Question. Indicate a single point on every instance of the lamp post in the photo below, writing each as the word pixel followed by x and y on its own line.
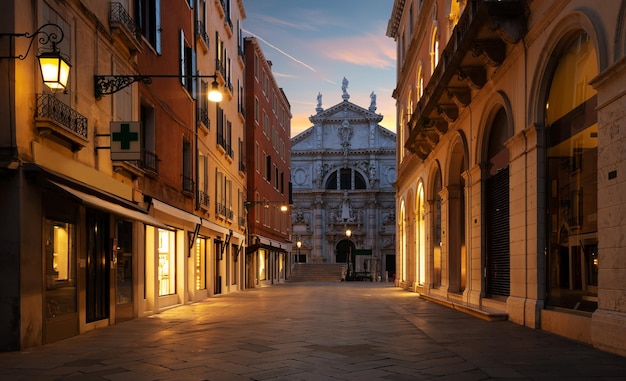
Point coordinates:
pixel 55 68
pixel 299 245
pixel 349 259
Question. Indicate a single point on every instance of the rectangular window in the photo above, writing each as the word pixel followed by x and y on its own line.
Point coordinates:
pixel 256 110
pixel 228 200
pixel 167 262
pixel 200 263
pixel 149 160
pixel 220 198
pixel 187 167
pixel 60 268
pixel 148 17
pixel 268 168
pixel 257 157
pixel 220 126
pixel 242 155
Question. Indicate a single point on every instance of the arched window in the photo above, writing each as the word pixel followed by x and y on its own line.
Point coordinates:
pixel 419 86
pixel 346 179
pixel 434 50
pixel 409 108
pixel 571 187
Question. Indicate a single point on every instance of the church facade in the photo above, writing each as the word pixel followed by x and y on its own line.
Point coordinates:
pixel 343 168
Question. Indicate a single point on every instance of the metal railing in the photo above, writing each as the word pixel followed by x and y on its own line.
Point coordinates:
pixel 48 106
pixel 203 117
pixel 149 161
pixel 201 31
pixel 120 15
pixel 204 199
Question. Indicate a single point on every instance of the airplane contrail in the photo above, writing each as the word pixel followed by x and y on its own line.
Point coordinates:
pixel 281 51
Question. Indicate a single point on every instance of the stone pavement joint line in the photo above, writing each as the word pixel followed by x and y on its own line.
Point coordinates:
pixel 313 332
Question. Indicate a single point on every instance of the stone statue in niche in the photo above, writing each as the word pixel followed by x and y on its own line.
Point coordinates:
pixel 372 175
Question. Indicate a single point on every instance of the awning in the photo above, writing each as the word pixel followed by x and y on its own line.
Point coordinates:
pixel 215 227
pixel 176 212
pixel 111 207
pixel 218 228
pixel 271 244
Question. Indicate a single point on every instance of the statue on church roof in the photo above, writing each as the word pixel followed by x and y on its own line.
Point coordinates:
pixel 373 103
pixel 344 88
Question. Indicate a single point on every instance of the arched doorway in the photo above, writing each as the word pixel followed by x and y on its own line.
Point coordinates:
pixel 344 248
pixel 497 243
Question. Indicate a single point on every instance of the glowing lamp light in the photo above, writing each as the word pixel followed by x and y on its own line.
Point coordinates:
pixel 55 70
pixel 215 95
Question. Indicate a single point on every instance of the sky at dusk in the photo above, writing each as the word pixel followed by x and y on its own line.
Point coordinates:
pixel 313 45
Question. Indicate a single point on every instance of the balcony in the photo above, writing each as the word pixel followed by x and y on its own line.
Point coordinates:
pixel 203 119
pixel 124 28
pixel 485 34
pixel 220 209
pixel 60 122
pixel 202 35
pixel 204 200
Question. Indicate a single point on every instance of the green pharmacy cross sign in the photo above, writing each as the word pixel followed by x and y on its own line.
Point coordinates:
pixel 125 141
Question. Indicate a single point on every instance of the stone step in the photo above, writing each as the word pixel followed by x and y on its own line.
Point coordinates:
pixel 309 272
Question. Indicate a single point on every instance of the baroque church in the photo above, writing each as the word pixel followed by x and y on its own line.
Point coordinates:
pixel 343 171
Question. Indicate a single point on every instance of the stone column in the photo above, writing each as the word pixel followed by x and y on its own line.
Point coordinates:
pixel 372 217
pixel 317 253
pixel 454 237
pixel 608 329
pixel 474 207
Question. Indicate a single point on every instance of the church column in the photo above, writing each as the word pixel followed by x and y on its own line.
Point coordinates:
pixel 318 232
pixel 372 235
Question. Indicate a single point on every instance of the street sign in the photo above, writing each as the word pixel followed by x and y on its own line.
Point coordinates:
pixel 125 141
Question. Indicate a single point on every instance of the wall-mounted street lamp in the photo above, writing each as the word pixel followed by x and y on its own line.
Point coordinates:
pixel 110 84
pixel 266 204
pixel 55 69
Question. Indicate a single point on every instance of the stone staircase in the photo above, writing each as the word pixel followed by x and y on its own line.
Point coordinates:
pixel 313 272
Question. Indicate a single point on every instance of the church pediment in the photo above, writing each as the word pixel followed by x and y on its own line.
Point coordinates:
pixel 345 110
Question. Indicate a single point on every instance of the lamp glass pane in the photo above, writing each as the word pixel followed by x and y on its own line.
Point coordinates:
pixel 215 95
pixel 54 71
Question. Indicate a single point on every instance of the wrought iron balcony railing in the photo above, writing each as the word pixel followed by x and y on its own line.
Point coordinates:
pixel 204 199
pixel 49 107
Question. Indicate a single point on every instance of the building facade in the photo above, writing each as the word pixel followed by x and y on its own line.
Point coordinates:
pixel 268 144
pixel 509 118
pixel 122 194
pixel 343 168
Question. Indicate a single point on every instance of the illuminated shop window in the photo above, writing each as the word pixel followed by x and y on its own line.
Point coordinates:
pixel 167 262
pixel 200 263
pixel 60 268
